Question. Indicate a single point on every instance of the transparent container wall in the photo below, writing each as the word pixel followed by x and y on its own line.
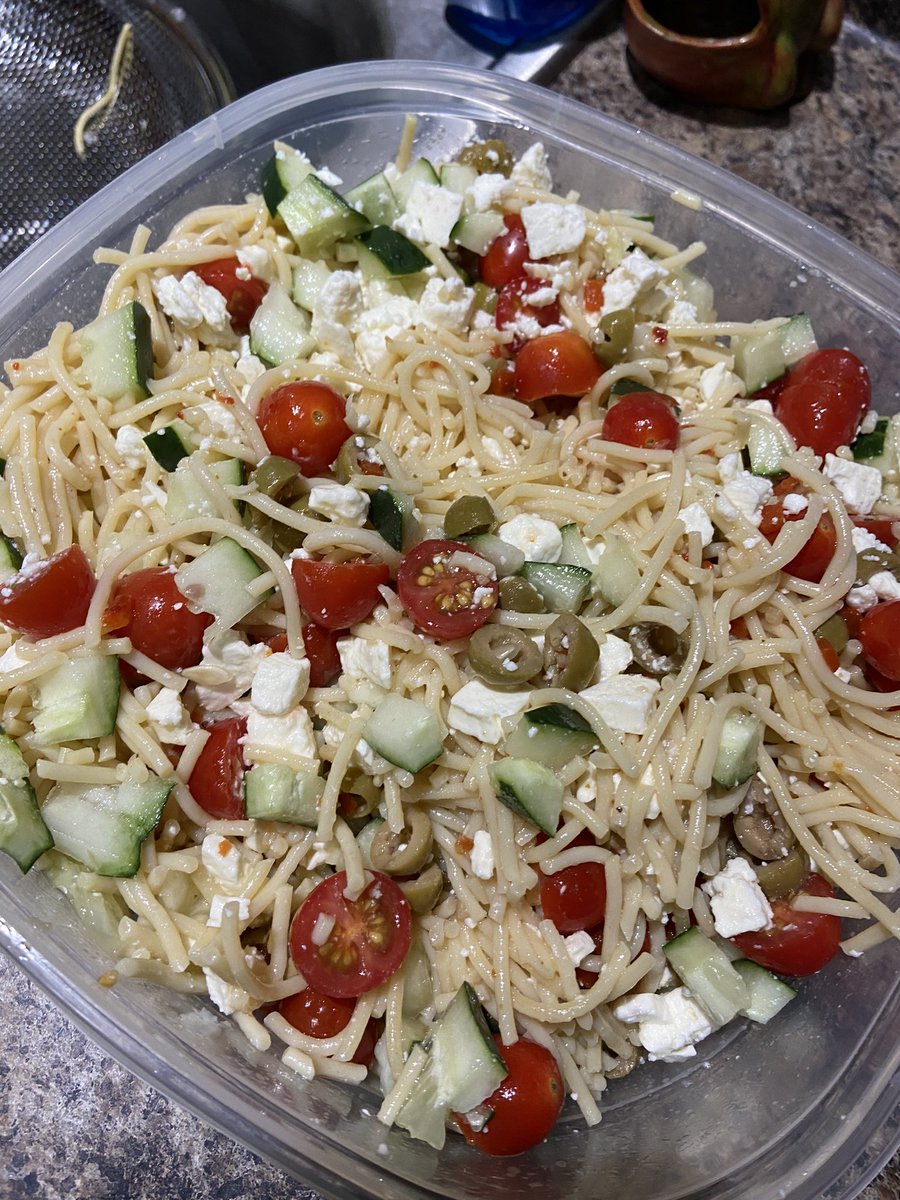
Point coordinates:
pixel 794 1109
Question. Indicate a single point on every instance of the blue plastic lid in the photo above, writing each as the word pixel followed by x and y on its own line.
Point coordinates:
pixel 494 25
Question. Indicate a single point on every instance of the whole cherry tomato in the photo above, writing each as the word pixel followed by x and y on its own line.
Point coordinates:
pixel 156 617
pixel 799 943
pixel 555 364
pixel 505 258
pixel 305 422
pixel 643 419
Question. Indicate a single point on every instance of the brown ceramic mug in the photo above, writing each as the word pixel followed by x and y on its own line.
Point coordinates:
pixel 738 52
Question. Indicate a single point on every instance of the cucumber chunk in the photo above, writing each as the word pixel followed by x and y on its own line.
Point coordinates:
pixel 552 735
pixel 768 994
pixel 506 558
pixel 529 789
pixel 476 231
pixel 283 172
pixel 317 217
pixel 217 580
pixel 79 700
pixel 104 827
pixel 760 358
pixel 186 496
pixel 457 176
pixel 421 171
pixel 738 747
pixel 117 353
pixel 705 969
pixel 279 330
pixel 574 552
pixel 404 732
pixel 273 792
pixel 562 587
pixel 768 445
pixel 462 1066
pixel 170 444
pixel 616 573
pixel 10 558
pixel 24 835
pixel 391 514
pixel 375 199
pixel 307 280
pixel 384 253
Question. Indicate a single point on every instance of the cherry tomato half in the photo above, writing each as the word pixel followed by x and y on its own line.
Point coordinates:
pixel 50 596
pixel 321 1016
pixel 322 652
pixel 587 979
pixel 575 897
pixel 367 941
pixel 643 419
pixel 305 422
pixel 556 364
pixel 155 616
pixel 812 560
pixel 826 396
pixel 217 780
pixel 242 296
pixel 525 1106
pixel 879 634
pixel 337 595
pixel 446 600
pixel 799 943
pixel 505 258
pixel 513 304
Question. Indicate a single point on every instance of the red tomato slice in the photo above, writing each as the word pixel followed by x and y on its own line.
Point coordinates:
pixel 879 634
pixel 826 396
pixel 338 595
pixel 322 652
pixel 880 527
pixel 368 939
pixel 829 654
pixel 321 1016
pixel 446 600
pixel 643 419
pixel 217 780
pixel 799 943
pixel 157 618
pixel 593 294
pixel 505 258
pixel 812 561
pixel 242 296
pixel 305 422
pixel 556 364
pixel 525 1106
pixel 575 897
pixel 512 303
pixel 50 596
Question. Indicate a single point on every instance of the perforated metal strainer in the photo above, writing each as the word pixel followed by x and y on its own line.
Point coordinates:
pixel 55 60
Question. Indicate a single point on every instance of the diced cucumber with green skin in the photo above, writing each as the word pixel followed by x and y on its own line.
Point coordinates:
pixel 707 972
pixel 281 174
pixel 375 199
pixel 552 735
pixel 797 339
pixel 768 994
pixel 104 827
pixel 529 789
pixel 170 444
pixel 871 445
pixel 563 588
pixel 476 231
pixel 738 747
pixel 100 912
pixel 762 357
pixel 616 573
pixel 625 387
pixel 767 445
pixel 457 177
pixel 273 792
pixel 279 330
pixel 317 217
pixel 308 278
pixel 574 552
pixel 78 700
pixel 216 582
pixel 384 253
pixel 10 558
pixel 391 515
pixel 186 497
pixel 404 732
pixel 421 171
pixel 462 1068
pixel 24 835
pixel 117 353
pixel 506 558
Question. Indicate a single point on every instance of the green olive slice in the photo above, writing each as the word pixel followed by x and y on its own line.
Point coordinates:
pixel 518 595
pixel 658 650
pixel 424 891
pixel 503 656
pixel 405 852
pixel 760 827
pixel 490 157
pixel 357 456
pixel 784 876
pixel 276 476
pixel 870 562
pixel 359 795
pixel 469 515
pixel 571 653
pixel 616 333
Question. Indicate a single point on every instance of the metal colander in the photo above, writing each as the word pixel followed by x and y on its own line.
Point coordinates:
pixel 55 58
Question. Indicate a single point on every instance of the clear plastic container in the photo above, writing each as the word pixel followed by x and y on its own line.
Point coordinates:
pixel 803 1108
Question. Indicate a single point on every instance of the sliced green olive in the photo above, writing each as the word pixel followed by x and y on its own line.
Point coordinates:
pixel 571 653
pixel 491 157
pixel 615 336
pixel 485 298
pixel 276 476
pixel 405 852
pixel 870 562
pixel 783 876
pixel 658 650
pixel 359 796
pixel 357 456
pixel 760 827
pixel 469 515
pixel 518 595
pixel 835 632
pixel 424 891
pixel 503 656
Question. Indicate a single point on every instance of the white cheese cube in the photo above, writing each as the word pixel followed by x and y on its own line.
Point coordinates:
pixel 482 855
pixel 718 382
pixel 538 539
pixel 579 945
pixel 339 502
pixel 225 996
pixel 378 325
pixel 131 447
pixel 221 857
pixel 291 732
pixel 256 259
pixel 217 907
pixel 170 719
pixel 553 228
pixel 885 585
pixel 280 683
pixel 480 711
pixel 696 520
pixel 532 169
pixel 486 191
pixel 738 903
pixel 794 504
pixel 190 302
pixel 430 214
pixel 858 485
pixel 337 306
pixel 363 660
pixel 624 701
pixel 864 540
pixel 745 494
pixel 669 1024
pixel 226 669
pixel 635 276
pixel 447 304
pixel 615 656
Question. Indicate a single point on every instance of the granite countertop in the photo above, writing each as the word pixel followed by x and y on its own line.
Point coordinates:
pixel 76 1126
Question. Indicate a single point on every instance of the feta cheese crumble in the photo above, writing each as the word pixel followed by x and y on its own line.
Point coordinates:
pixel 859 486
pixel 669 1024
pixel 480 711
pixel 280 683
pixel 339 502
pixel 482 855
pixel 538 539
pixel 738 903
pixel 191 303
pixel 553 228
pixel 623 701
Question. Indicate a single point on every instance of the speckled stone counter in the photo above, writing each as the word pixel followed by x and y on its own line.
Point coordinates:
pixel 76 1126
